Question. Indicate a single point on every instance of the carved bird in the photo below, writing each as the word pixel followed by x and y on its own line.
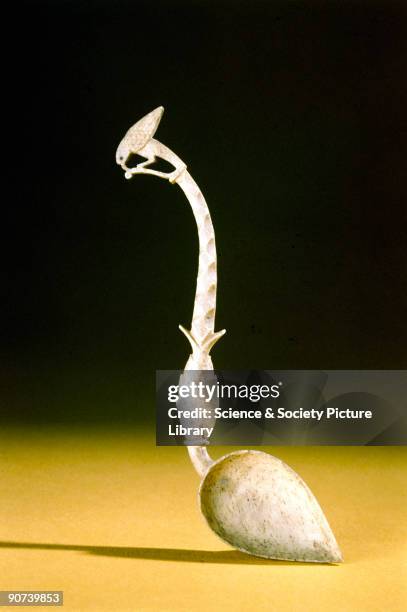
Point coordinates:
pixel 138 136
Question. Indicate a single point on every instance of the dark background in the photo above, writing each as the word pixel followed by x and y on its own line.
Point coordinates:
pixel 292 119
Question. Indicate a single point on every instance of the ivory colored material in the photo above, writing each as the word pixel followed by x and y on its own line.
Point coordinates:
pixel 250 499
pixel 258 504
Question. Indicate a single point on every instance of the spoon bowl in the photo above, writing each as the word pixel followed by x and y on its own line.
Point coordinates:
pixel 259 505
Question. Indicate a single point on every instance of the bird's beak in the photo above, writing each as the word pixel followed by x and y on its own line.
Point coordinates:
pixel 122 155
pixel 125 169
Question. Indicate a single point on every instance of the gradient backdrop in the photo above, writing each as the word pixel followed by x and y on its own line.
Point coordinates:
pixel 292 119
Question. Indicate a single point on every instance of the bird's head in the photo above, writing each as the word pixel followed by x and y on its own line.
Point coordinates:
pixel 122 153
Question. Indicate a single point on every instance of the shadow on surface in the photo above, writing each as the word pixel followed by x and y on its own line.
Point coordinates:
pixel 160 554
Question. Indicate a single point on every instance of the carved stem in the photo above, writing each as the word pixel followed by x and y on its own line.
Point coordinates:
pixel 202 336
pixel 203 318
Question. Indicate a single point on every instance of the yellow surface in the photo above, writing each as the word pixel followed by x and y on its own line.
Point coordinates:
pixel 113 521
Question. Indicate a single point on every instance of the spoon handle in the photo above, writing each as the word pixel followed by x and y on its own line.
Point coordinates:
pixel 202 336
